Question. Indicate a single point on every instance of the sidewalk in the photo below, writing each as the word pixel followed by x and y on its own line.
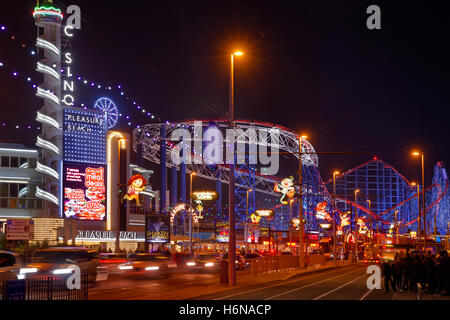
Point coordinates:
pixel 244 279
pixel 408 295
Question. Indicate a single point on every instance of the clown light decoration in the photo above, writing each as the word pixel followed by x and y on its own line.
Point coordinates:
pixel 339 231
pixel 345 220
pixel 362 226
pixel 136 184
pixel 320 211
pixel 296 223
pixel 255 218
pixel 286 188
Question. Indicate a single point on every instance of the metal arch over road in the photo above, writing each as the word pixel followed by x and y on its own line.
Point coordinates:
pixel 149 136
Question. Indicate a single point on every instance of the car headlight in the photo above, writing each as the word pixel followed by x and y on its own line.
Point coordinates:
pixel 209 264
pixel 190 264
pixel 125 267
pixel 151 268
pixel 62 271
pixel 28 270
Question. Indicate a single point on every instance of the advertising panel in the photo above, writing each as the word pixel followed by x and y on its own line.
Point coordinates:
pixel 157 228
pixel 222 231
pixel 84 187
pixel 84 136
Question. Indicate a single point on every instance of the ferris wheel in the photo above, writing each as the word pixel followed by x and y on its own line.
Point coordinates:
pixel 109 108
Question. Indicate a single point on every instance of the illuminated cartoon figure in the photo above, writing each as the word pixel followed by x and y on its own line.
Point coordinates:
pixel 362 226
pixel 345 220
pixel 255 218
pixel 321 212
pixel 136 184
pixel 286 188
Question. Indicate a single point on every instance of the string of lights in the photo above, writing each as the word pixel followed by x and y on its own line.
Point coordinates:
pixel 84 81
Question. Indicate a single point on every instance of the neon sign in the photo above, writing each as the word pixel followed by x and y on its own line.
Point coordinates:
pixel 286 188
pixel 136 184
pixel 321 214
pixel 204 195
pixel 84 191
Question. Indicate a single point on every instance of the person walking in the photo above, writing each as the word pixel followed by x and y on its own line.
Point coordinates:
pixel 387 273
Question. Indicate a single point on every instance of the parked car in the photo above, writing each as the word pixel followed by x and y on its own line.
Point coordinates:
pixel 146 264
pixel 204 262
pixel 286 253
pixel 57 261
pixel 251 256
pixel 240 261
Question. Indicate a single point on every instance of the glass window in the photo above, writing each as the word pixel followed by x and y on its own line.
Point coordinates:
pixel 22 204
pixel 13 190
pixel 4 203
pixel 5 161
pixel 4 190
pixel 23 160
pixel 14 162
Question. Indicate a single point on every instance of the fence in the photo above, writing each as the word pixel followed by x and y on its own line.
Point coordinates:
pixel 45 288
pixel 273 263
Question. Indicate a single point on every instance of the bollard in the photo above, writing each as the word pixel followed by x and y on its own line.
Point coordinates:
pixel 224 272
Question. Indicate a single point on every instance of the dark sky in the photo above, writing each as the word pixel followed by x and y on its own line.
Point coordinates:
pixel 312 66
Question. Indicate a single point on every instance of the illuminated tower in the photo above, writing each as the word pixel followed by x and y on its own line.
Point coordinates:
pixel 48 20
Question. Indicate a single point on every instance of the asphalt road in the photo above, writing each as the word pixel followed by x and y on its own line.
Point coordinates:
pixel 347 283
pixel 119 287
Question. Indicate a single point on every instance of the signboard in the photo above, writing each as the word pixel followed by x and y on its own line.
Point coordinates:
pixel 19 229
pixel 204 195
pixel 15 290
pixel 222 231
pixel 84 136
pixel 157 228
pixel 109 235
pixel 84 187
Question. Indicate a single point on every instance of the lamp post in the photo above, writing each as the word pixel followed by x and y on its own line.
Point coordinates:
pixel 371 224
pixel 356 224
pixel 418 208
pixel 300 215
pixel 231 208
pixel 396 225
pixel 424 231
pixel 290 224
pixel 334 223
pixel 190 215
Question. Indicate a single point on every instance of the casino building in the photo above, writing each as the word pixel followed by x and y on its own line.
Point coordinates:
pixel 72 184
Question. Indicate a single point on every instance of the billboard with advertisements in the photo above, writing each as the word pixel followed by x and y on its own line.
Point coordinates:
pixel 157 228
pixel 84 191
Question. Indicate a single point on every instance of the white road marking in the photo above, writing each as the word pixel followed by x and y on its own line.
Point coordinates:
pixel 273 285
pixel 345 284
pixel 307 286
pixel 367 293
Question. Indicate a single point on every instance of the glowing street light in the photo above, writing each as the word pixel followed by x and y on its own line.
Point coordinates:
pixel 417 154
pixel 335 173
pixel 231 208
pixel 356 219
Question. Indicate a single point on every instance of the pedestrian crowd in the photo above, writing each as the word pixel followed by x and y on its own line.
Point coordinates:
pixel 408 271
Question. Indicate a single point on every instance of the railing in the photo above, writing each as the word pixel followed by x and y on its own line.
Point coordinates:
pixel 50 288
pixel 273 264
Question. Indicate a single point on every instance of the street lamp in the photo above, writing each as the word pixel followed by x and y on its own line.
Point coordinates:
pixel 300 199
pixel 371 225
pixel 334 223
pixel 417 154
pixel 231 208
pixel 356 224
pixel 120 145
pixel 290 224
pixel 418 208
pixel 190 215
pixel 396 224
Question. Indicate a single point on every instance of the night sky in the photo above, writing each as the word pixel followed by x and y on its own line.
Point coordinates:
pixel 313 67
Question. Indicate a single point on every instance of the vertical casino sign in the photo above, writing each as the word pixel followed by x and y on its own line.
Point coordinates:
pixel 84 168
